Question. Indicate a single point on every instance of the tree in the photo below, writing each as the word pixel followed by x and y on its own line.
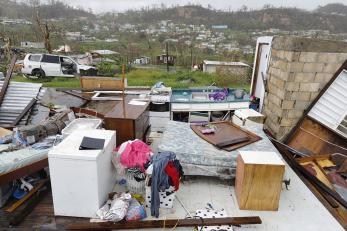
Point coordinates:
pixel 45 31
pixel 7 47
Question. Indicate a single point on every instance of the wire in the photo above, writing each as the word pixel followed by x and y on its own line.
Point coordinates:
pixel 178 220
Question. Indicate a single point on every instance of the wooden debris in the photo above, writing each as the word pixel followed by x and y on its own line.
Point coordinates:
pixel 24 112
pixel 18 203
pixel 30 205
pixel 325 163
pixel 7 79
pixel 151 224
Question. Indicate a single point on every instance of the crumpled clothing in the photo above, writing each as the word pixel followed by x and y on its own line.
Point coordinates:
pixel 137 174
pixel 174 175
pixel 160 180
pixel 135 211
pixel 134 154
pixel 115 210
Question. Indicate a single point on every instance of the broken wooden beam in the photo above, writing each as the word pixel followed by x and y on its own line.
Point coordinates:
pixel 24 112
pixel 7 79
pixel 151 224
pixel 320 186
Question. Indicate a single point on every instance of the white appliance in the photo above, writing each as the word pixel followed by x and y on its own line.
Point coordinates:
pixel 81 124
pixel 81 179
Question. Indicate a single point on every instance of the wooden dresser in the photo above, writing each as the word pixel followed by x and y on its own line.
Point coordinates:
pixel 129 121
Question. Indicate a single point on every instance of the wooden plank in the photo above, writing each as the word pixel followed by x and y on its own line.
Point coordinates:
pixel 19 217
pixel 5 132
pixel 102 83
pixel 7 79
pixel 151 224
pixel 314 180
pixel 18 203
pixel 23 171
pixel 87 112
pixel 226 132
pixel 24 112
pixel 319 173
pixel 314 139
pixel 339 213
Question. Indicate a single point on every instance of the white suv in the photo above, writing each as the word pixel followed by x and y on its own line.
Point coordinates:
pixel 42 65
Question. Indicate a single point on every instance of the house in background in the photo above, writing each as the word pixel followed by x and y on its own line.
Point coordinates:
pixel 37 45
pixel 231 68
pixel 144 60
pixel 164 59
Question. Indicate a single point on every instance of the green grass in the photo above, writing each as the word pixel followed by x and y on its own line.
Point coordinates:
pixel 148 77
pixel 181 79
pixel 57 82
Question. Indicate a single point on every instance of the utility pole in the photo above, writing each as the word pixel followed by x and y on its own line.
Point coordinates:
pixel 167 56
pixel 191 56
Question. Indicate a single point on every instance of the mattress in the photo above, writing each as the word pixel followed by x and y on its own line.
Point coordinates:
pixel 10 161
pixel 198 157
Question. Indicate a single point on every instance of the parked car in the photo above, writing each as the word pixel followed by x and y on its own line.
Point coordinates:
pixel 42 65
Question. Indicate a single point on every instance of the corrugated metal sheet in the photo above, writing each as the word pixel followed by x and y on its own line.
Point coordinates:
pixel 17 97
pixel 331 108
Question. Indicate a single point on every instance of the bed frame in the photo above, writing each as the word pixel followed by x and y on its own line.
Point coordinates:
pixel 23 171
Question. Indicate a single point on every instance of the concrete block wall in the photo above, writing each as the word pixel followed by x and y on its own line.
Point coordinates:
pixel 299 69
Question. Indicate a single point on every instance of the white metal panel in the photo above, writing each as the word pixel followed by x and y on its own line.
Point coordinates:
pixel 17 97
pixel 331 108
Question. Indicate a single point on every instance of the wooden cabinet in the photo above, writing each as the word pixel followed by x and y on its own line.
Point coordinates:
pixel 258 182
pixel 129 121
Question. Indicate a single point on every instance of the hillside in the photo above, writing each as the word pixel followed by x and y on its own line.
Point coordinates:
pixel 51 10
pixel 335 8
pixel 281 18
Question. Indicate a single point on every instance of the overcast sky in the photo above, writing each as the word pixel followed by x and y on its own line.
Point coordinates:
pixel 121 5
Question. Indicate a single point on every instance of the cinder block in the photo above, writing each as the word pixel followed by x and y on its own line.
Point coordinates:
pixel 288 104
pixel 323 77
pixel 331 67
pixel 342 58
pixel 274 99
pixel 304 77
pixel 280 64
pixel 277 82
pixel 286 122
pixel 308 57
pixel 274 71
pixel 295 113
pixel 301 96
pixel 295 67
pixel 301 105
pixel 314 96
pixel 292 86
pixel 328 57
pixel 284 75
pixel 310 87
pixel 313 67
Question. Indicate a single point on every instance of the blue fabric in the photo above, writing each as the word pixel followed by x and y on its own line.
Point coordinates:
pixel 160 180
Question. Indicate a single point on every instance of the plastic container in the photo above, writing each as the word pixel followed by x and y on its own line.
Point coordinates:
pixel 81 124
pixel 167 197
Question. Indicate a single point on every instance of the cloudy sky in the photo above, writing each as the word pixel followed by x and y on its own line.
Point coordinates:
pixel 121 5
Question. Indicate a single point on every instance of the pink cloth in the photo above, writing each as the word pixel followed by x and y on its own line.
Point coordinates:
pixel 135 154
